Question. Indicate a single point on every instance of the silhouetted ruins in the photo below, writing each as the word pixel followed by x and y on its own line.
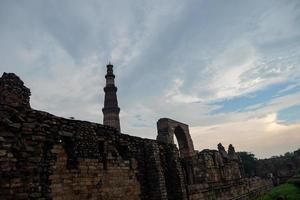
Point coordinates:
pixel 43 156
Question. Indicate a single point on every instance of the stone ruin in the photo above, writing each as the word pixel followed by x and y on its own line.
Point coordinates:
pixel 43 156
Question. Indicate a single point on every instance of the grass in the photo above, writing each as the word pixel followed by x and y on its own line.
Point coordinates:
pixel 289 190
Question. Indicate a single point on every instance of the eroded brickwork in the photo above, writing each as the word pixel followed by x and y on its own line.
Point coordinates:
pixel 89 180
pixel 219 175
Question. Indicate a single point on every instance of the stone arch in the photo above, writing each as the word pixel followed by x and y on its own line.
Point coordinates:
pixel 167 128
pixel 181 137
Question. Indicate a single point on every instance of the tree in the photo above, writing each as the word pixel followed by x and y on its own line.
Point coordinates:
pixel 289 154
pixel 249 162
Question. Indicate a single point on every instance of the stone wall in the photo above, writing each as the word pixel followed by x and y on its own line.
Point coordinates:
pixel 245 189
pixel 219 175
pixel 48 157
pixel 43 156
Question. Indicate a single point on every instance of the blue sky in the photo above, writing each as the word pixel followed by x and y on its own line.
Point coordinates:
pixel 257 99
pixel 229 69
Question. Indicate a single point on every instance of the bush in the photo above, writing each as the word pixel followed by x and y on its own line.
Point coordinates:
pixel 297 172
pixel 295 180
pixel 287 190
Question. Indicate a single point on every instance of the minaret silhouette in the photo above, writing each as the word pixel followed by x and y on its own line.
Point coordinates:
pixel 111 109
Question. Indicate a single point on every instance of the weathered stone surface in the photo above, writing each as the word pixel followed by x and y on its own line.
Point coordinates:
pixel 13 92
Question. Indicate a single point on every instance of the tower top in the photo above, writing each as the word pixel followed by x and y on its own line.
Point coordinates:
pixel 110 71
pixel 109 64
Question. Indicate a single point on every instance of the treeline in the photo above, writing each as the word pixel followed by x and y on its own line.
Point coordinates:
pixel 281 167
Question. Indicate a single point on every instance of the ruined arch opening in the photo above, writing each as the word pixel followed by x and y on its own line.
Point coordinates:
pixel 167 128
pixel 181 138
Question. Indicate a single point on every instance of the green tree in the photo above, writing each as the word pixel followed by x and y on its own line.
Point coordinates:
pixel 289 154
pixel 249 162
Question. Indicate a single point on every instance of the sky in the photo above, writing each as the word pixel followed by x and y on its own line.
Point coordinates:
pixel 230 69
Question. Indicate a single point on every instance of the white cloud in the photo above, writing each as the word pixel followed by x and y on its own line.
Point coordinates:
pixel 167 56
pixel 175 94
pixel 262 136
pixel 277 23
pixel 228 68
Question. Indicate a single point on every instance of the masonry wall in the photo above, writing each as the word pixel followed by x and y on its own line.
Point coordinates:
pixel 217 175
pixel 48 157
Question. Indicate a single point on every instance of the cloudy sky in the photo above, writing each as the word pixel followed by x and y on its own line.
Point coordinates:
pixel 230 69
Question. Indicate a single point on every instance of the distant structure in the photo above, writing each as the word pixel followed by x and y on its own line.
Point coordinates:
pixel 111 109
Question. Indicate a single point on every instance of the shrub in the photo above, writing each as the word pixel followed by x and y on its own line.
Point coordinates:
pixel 295 180
pixel 287 190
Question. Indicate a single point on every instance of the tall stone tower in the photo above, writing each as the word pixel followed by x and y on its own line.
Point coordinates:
pixel 111 109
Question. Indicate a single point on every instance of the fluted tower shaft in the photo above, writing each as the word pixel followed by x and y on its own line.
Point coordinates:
pixel 111 109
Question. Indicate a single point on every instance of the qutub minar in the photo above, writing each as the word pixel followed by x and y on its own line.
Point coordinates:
pixel 111 109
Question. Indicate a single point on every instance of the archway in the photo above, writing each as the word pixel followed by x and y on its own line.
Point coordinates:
pixel 181 138
pixel 167 128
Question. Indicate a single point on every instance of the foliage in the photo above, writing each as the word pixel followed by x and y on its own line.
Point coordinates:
pixel 249 162
pixel 287 190
pixel 295 179
pixel 289 154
